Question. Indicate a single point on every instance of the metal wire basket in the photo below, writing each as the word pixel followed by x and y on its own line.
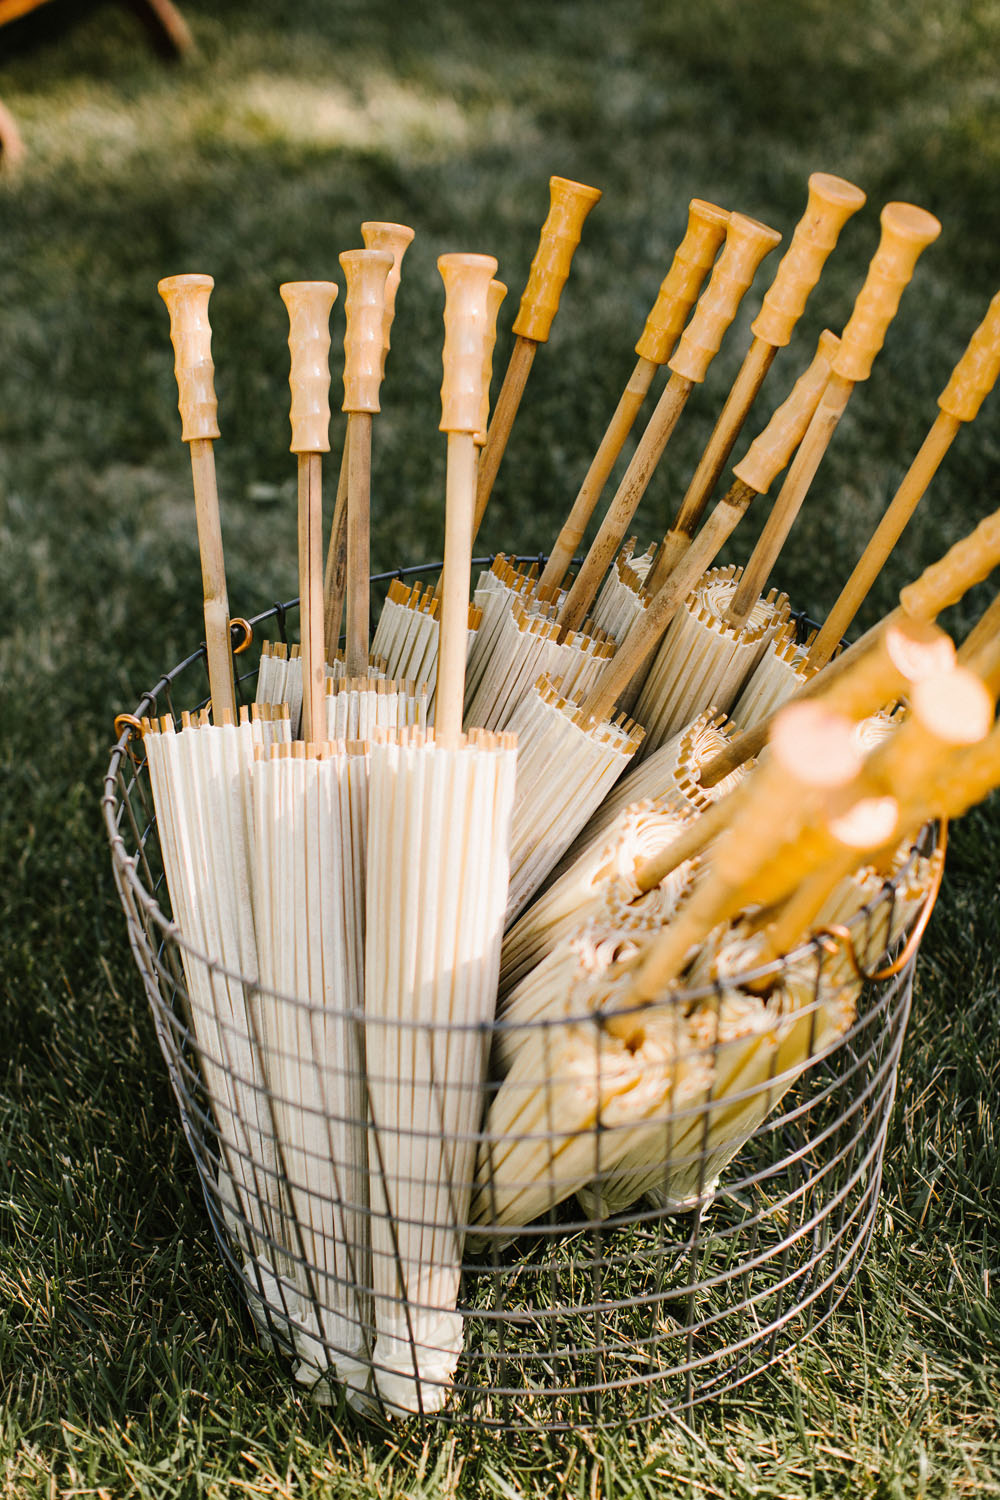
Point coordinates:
pixel 589 1292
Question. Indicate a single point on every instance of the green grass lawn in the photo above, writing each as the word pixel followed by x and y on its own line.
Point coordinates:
pixel 125 1366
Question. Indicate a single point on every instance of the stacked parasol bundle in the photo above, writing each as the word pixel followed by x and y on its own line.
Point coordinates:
pixel 498 907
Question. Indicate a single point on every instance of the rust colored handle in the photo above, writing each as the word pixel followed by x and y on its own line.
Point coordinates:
pixel 569 205
pixel 309 304
pixel 968 562
pixel 466 321
pixel 747 243
pixel 365 272
pixel 706 229
pixel 191 335
pixel 976 373
pixel 770 452
pixel 830 204
pixel 497 292
pixel 395 238
pixel 906 232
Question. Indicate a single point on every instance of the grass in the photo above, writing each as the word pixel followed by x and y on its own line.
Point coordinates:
pixel 126 1368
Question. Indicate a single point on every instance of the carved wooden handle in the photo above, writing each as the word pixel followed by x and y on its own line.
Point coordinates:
pixel 466 319
pixel 497 292
pixel 770 452
pixel 395 238
pixel 365 272
pixel 830 204
pixel 747 243
pixel 309 304
pixel 971 560
pixel 569 205
pixel 191 335
pixel 976 373
pixel 706 229
pixel 906 232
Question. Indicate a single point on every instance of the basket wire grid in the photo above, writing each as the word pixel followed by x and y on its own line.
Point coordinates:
pixel 585 1316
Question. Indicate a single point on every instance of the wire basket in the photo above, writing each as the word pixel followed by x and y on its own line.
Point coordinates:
pixel 589 1292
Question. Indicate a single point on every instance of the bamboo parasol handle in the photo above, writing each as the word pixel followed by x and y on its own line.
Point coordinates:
pixel 365 272
pixel 693 259
pixel 309 304
pixel 186 299
pixel 971 381
pixel 748 242
pixel 569 204
pixel 396 239
pixel 466 321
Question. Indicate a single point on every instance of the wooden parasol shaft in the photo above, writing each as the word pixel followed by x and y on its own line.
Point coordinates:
pixel 218 644
pixel 335 576
pixel 753 371
pixel 623 507
pixel 456 580
pixel 649 628
pixel 569 204
pixel 601 465
pixel 887 534
pixel 970 383
pixel 310 484
pixel 789 501
pixel 678 292
pixel 359 469
pixel 502 421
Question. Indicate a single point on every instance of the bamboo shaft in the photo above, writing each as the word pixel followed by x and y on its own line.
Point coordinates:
pixel 311 597
pixel 602 463
pixel 335 577
pixel 648 629
pixel 502 421
pixel 753 372
pixel 213 580
pixel 623 507
pixel 886 535
pixel 790 497
pixel 981 648
pixel 456 579
pixel 359 468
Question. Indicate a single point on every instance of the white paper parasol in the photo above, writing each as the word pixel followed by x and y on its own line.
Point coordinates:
pixel 439 820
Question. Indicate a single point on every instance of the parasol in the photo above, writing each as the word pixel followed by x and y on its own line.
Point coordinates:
pixel 569 205
pixel 310 802
pixel 439 817
pixel 706 229
pixel 873 671
pixel 765 458
pixel 971 382
pixel 200 780
pixel 394 239
pixel 830 203
pixel 639 832
pixel 747 243
pixel 906 232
